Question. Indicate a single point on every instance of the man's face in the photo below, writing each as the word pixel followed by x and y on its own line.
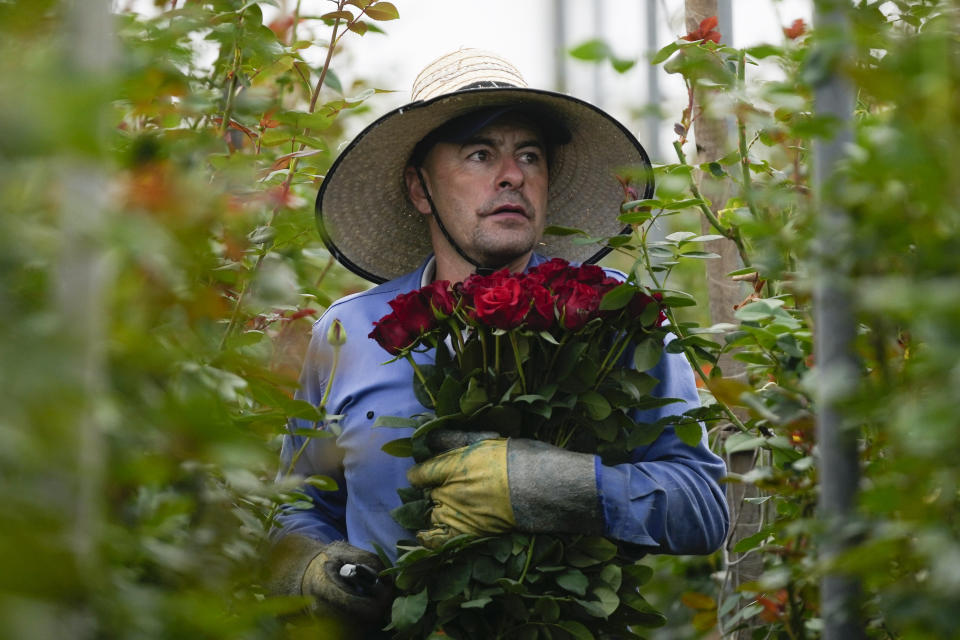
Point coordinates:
pixel 490 192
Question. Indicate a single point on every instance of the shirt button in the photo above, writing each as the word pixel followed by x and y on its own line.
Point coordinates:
pixel 369 415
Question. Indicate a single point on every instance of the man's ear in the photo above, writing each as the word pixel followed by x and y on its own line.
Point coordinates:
pixel 415 191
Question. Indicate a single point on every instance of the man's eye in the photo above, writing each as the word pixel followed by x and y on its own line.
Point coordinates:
pixel 530 157
pixel 480 154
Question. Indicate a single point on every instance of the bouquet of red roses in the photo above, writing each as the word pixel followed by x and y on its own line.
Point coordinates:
pixel 556 354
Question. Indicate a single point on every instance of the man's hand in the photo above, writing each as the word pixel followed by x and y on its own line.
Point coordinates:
pixel 341 578
pixel 498 484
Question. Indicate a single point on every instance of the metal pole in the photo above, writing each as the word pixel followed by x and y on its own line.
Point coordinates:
pixel 559 45
pixel 652 142
pixel 82 277
pixel 725 18
pixel 835 330
pixel 599 98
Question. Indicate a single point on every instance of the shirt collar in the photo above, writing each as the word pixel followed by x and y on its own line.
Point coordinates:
pixel 430 267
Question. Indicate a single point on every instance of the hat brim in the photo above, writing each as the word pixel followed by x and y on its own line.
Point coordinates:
pixel 369 225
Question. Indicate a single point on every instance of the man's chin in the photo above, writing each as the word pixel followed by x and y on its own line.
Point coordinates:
pixel 505 256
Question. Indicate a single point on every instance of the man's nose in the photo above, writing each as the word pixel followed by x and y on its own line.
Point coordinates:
pixel 510 175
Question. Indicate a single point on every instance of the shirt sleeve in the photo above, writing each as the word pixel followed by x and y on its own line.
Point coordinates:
pixel 668 499
pixel 321 514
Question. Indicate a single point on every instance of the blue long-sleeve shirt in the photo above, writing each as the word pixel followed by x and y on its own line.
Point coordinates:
pixel 667 500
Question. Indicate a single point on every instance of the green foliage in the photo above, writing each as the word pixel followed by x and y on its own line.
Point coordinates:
pixel 159 271
pixel 898 184
pixel 521 586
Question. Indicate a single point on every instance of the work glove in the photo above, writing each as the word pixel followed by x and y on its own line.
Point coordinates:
pixel 341 578
pixel 495 485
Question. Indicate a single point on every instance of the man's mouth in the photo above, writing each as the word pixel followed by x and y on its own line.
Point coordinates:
pixel 508 210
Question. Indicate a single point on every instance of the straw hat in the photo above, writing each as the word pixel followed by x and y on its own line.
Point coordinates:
pixel 369 225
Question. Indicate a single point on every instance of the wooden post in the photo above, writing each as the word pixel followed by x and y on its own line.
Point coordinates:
pixel 713 142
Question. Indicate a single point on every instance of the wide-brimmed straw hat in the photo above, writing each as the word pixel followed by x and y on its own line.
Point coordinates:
pixel 370 226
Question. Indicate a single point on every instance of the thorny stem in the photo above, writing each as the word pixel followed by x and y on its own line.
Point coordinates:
pixel 420 377
pixel 708 214
pixel 703 376
pixel 742 142
pixel 234 75
pixel 516 357
pixel 526 565
pixel 296 21
pixel 291 170
pixel 333 371
pixel 733 233
pixel 496 364
pixel 691 357
pixel 608 360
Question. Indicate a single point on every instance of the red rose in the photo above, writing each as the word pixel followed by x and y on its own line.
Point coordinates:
pixel 578 304
pixel 705 31
pixel 390 333
pixel 796 29
pixel 477 283
pixel 440 298
pixel 639 302
pixel 414 312
pixel 541 315
pixel 589 274
pixel 502 306
pixel 550 272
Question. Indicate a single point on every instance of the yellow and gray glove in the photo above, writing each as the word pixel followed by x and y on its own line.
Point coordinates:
pixel 341 578
pixel 494 485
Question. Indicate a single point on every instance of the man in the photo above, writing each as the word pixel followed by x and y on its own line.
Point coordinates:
pixel 463 180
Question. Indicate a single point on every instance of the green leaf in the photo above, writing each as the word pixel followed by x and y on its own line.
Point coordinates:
pixel 487 570
pixel 332 80
pixel 576 629
pixel 400 448
pixel 684 204
pixel 763 51
pixel 449 396
pixel 618 297
pixel 573 581
pixel 716 170
pixel 665 53
pixel 621 65
pixel 476 603
pixel 643 434
pixel 637 383
pixel 743 442
pixel 597 406
pixel 382 11
pixel 612 575
pixel 607 598
pixel 555 230
pixel 450 581
pixel 750 542
pixel 395 422
pixel 323 483
pixel 690 433
pixel 413 515
pixel 639 574
pixel 589 551
pixel 547 608
pixel 673 298
pixel 594 50
pixel 647 354
pixel 337 15
pixel 407 610
pixel 474 398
